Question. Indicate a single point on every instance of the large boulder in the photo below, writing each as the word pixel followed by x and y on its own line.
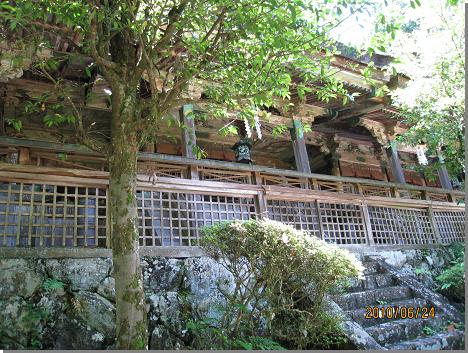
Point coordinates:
pixel 96 312
pixel 70 333
pixel 106 289
pixel 19 277
pixel 81 274
pixel 163 339
pixel 205 280
pixel 166 309
pixel 162 274
pixel 16 328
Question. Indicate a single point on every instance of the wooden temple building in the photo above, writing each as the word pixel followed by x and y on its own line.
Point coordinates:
pixel 345 181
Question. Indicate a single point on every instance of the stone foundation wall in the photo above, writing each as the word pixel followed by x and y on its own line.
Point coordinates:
pixel 35 312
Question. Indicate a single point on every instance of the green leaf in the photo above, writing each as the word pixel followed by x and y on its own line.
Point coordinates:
pixel 15 123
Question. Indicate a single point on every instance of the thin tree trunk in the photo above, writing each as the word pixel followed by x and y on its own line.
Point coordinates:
pixel 131 325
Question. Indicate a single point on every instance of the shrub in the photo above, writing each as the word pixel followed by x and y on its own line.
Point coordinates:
pixel 281 276
pixel 452 280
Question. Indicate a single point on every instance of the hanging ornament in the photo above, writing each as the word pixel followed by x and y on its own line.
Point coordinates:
pixel 421 155
pixel 248 131
pixel 257 125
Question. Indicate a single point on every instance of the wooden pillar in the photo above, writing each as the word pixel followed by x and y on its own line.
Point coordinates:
pixel 444 177
pixel 336 170
pixel 395 163
pixel 24 156
pixel 430 213
pixel 189 140
pixel 383 169
pixel 260 200
pixel 366 219
pixel 335 164
pixel 299 146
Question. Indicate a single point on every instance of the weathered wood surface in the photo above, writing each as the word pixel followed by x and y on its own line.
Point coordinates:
pixel 171 211
pixel 155 157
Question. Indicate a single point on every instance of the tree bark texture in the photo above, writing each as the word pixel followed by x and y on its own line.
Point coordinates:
pixel 131 315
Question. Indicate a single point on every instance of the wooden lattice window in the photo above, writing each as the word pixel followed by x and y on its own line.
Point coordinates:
pixel 451 225
pixel 174 219
pixel 342 223
pixel 400 226
pixel 52 215
pixel 301 215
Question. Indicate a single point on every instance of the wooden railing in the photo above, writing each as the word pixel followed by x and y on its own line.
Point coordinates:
pixel 46 207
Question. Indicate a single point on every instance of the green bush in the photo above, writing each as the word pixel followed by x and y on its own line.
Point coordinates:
pixel 281 276
pixel 452 280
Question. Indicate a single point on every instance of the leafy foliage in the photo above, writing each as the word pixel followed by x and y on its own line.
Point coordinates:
pixel 433 104
pixel 281 276
pixel 245 54
pixel 452 280
pixel 205 334
pixel 51 284
pixel 32 319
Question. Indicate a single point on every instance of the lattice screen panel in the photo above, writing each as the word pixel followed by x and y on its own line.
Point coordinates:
pixel 229 176
pixel 281 180
pixel 371 190
pixel 400 226
pixel 342 223
pixel 301 215
pixel 52 215
pixel 451 225
pixel 162 169
pixel 433 196
pixel 174 219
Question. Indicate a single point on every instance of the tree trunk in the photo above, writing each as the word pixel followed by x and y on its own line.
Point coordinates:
pixel 131 325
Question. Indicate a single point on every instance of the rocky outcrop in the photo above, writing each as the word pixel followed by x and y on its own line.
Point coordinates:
pixel 70 303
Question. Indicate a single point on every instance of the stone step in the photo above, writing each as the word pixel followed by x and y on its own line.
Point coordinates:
pixel 358 315
pixel 371 281
pixel 440 341
pixel 395 331
pixel 359 300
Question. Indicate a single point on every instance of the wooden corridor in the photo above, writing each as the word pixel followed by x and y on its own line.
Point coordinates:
pixel 59 207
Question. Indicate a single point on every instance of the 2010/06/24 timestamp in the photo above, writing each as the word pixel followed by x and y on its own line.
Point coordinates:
pixel 396 312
